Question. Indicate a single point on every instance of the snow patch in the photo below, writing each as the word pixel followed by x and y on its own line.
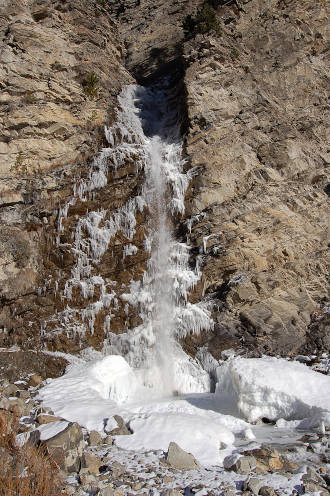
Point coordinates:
pixel 47 431
pixel 195 434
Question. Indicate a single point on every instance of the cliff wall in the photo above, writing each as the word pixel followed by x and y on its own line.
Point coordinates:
pixel 254 98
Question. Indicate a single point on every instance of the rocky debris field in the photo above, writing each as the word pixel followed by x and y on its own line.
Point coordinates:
pixel 90 463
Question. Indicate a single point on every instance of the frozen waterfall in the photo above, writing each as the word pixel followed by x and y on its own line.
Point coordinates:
pixel 147 130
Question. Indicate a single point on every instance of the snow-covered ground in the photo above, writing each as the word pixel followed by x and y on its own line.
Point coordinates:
pixel 208 425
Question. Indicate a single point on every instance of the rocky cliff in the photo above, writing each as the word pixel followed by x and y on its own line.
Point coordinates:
pixel 61 70
pixel 254 101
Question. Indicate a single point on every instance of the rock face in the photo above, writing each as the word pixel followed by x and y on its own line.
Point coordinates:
pixel 61 70
pixel 153 34
pixel 255 212
pixel 256 100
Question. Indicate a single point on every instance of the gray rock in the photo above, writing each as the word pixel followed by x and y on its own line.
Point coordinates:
pixel 253 485
pixel 94 439
pixel 66 447
pixel 310 487
pixel 311 474
pixel 69 438
pixel 122 429
pixel 117 469
pixel 242 465
pixel 107 491
pixel 180 459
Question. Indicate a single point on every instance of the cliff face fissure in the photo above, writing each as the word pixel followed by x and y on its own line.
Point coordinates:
pixel 251 95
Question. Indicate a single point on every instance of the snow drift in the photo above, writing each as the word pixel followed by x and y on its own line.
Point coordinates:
pixel 274 388
pixel 198 435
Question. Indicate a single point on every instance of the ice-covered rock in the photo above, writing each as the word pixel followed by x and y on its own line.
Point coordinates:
pixel 275 388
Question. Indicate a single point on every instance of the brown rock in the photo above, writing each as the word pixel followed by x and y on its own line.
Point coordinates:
pixel 44 418
pixel 121 430
pixel 94 438
pixel 117 470
pixel 267 491
pixel 91 463
pixel 35 380
pixel 261 182
pixel 66 447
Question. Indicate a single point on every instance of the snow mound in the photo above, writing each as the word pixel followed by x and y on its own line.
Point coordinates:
pixel 113 379
pixel 274 388
pixel 195 434
pixel 89 392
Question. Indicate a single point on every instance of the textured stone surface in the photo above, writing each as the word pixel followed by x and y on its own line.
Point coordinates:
pixel 153 34
pixel 242 465
pixel 18 364
pixel 90 463
pixel 256 101
pixel 94 438
pixel 51 127
pixel 178 458
pixel 256 113
pixel 66 447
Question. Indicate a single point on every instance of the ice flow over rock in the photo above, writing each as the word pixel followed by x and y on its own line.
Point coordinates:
pixel 136 374
pixel 161 296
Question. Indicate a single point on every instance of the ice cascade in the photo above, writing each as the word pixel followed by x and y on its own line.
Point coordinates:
pixel 161 296
pixel 146 132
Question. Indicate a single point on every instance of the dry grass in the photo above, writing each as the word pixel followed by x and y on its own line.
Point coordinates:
pixel 26 470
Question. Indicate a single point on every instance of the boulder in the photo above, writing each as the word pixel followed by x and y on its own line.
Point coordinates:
pixel 122 429
pixel 180 459
pixel 117 469
pixel 269 460
pixel 35 380
pixel 253 484
pixel 90 463
pixel 95 439
pixel 66 446
pixel 242 464
pixel 16 406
